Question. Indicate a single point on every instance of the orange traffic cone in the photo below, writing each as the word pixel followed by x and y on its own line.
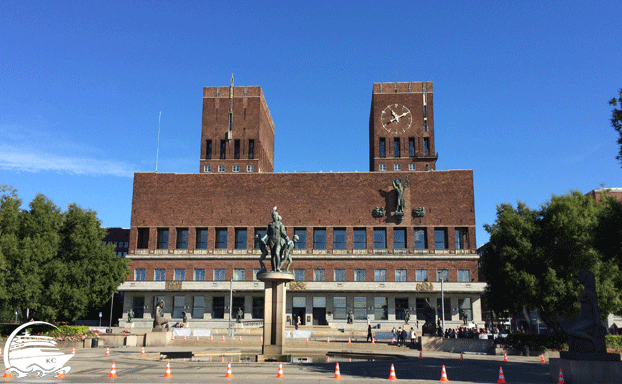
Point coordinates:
pixel 444 375
pixel 542 359
pixel 337 373
pixel 392 340
pixel 113 372
pixel 240 339
pixel 327 339
pixel 73 351
pixel 461 356
pixel 307 339
pixel 505 357
pixel 59 375
pixel 328 359
pixel 229 375
pixel 223 337
pixel 261 339
pixel 349 340
pixel 142 351
pixel 222 358
pixel 185 338
pixel 561 377
pixel 373 340
pixel 107 352
pixel 0 351
pixel 392 374
pixel 280 375
pixel 501 377
pixel 172 337
pixel 421 354
pixel 7 374
pixel 211 338
pixel 197 338
pixel 167 373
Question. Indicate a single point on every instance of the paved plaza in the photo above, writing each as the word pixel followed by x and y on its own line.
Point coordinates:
pixel 92 366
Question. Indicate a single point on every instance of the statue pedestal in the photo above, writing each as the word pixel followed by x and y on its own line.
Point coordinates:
pixel 274 314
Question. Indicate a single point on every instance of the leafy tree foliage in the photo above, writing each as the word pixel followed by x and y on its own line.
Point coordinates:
pixel 616 120
pixel 52 262
pixel 534 256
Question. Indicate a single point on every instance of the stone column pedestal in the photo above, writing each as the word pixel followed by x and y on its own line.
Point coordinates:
pixel 274 315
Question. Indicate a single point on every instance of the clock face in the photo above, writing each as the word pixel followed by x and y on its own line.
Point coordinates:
pixel 396 118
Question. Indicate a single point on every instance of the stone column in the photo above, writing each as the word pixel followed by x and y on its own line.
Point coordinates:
pixel 274 313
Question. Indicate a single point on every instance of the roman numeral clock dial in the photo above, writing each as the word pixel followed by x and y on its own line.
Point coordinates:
pixel 396 118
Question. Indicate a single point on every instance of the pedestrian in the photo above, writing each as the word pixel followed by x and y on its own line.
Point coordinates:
pixel 412 337
pixel 394 334
pixel 369 336
pixel 295 322
pixel 404 336
pixel 417 324
pixel 399 336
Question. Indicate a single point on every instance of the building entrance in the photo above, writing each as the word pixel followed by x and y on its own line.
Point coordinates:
pixel 319 316
pixel 299 313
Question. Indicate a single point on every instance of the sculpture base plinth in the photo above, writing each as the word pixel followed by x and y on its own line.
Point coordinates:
pixel 567 355
pixel 274 314
pixel 586 371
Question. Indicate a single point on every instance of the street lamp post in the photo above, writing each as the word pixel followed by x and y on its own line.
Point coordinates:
pixel 442 306
pixel 230 306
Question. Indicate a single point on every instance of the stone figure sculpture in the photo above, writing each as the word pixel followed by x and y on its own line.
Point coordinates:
pixel 287 253
pixel 264 252
pixel 159 322
pixel 399 187
pixel 130 316
pixel 240 315
pixel 276 240
pixel 350 318
pixel 406 316
pixel 585 333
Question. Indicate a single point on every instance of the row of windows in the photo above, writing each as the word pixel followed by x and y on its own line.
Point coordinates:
pixel 236 149
pixel 397 149
pixel 319 241
pixel 118 244
pixel 234 168
pixel 300 275
pixel 398 167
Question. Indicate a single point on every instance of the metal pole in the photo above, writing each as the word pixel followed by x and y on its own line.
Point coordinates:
pixel 443 306
pixel 111 302
pixel 230 306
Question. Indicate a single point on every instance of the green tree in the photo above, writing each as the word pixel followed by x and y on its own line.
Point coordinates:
pixel 616 120
pixel 534 257
pixel 56 263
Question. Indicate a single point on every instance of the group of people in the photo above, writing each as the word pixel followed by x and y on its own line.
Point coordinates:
pixel 401 335
pixel 469 333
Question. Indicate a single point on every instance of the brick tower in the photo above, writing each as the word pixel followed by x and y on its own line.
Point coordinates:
pixel 401 127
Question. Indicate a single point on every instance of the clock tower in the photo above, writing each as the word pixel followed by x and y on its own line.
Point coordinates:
pixel 401 127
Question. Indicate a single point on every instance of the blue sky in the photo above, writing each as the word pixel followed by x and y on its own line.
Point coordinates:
pixel 520 90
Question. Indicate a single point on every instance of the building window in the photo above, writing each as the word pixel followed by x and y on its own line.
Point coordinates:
pixel 207 168
pixel 359 237
pixel 447 307
pixel 382 167
pixel 302 238
pixel 465 308
pixel 179 303
pixel 180 275
pixel 442 275
pixel 359 275
pixel 160 274
pixel 182 238
pixel 339 238
pixel 236 149
pixel 360 308
pixel 412 167
pixel 251 149
pixel 380 238
pixel 422 275
pixel 464 276
pixel 426 147
pixel 411 147
pixel 440 238
pixel 319 275
pixel 462 238
pixel 396 147
pixel 380 275
pixel 199 275
pixel 381 309
pixel 258 306
pixel 382 148
pixel 239 274
pixel 223 149
pixel 140 274
pixel 401 305
pixel 235 168
pixel 425 125
pixel 400 275
pixel 218 307
pixel 340 275
pixel 427 167
pixel 397 167
pixel 240 238
pixel 221 168
pixel 198 307
pixel 201 240
pixel 319 238
pixel 208 149
pixel 221 238
pixel 299 274
pixel 259 234
pixel 399 238
pixel 421 239
pixel 219 275
pixel 250 168
pixel 143 238
pixel 162 238
pixel 425 111
pixel 339 308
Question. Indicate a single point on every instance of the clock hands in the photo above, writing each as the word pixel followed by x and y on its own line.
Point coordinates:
pixel 397 118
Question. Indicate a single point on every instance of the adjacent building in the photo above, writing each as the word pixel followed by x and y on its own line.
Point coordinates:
pixel 375 243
